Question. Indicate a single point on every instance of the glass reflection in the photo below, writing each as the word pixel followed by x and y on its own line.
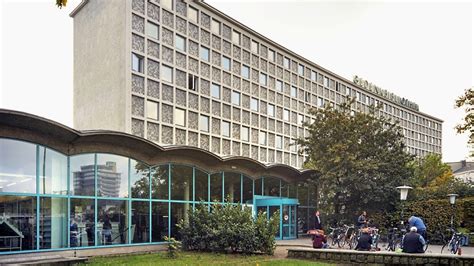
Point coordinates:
pixel 181 182
pixel 258 186
pixel 232 187
pixel 139 179
pixel 271 186
pixel 247 192
pixel 284 189
pixel 53 223
pixel 112 176
pixel 159 182
pixel 303 194
pixel 53 172
pixel 17 167
pixel 140 221
pixel 201 182
pixel 82 223
pixel 159 221
pixel 82 172
pixel 112 222
pixel 18 223
pixel 216 187
pixel 179 211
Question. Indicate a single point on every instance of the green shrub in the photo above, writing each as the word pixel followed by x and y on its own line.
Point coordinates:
pixel 228 227
pixel 173 247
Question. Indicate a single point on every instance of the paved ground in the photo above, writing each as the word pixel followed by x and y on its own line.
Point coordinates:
pixel 282 245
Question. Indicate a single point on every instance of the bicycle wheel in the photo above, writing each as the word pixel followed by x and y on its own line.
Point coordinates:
pixel 397 244
pixel 455 246
pixel 341 241
pixel 425 247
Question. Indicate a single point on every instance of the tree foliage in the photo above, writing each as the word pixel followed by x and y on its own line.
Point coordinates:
pixel 467 101
pixel 61 3
pixel 360 157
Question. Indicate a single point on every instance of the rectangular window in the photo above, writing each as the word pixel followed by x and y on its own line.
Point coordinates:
pixel 167 74
pixel 244 134
pixel 180 117
pixel 263 79
pixel 278 142
pixel 226 63
pixel 271 55
pixel 152 110
pixel 286 115
pixel 262 139
pixel 204 123
pixel 307 97
pixel 271 110
pixel 152 30
pixel 236 98
pixel 326 82
pixel 193 82
pixel 167 4
pixel 216 27
pixel 180 43
pixel 254 104
pixel 225 129
pixel 286 62
pixel 236 37
pixel 294 92
pixel 254 47
pixel 320 102
pixel 279 85
pixel 215 91
pixel 313 76
pixel 204 53
pixel 301 70
pixel 300 119
pixel 193 14
pixel 245 71
pixel 137 63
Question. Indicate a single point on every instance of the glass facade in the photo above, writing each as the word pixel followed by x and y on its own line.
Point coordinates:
pixel 49 200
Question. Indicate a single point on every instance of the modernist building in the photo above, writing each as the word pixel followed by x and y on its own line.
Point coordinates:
pixel 64 189
pixel 180 72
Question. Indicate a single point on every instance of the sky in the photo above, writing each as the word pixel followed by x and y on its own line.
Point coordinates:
pixel 420 50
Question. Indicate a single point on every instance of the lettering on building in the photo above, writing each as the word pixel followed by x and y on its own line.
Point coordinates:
pixel 385 93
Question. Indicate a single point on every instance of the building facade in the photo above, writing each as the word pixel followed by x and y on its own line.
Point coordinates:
pixel 65 189
pixel 463 170
pixel 180 72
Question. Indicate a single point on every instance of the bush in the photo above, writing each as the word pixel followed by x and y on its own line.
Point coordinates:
pixel 228 227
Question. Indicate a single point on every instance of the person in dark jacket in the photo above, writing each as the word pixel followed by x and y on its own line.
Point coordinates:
pixel 413 242
pixel 362 220
pixel 317 221
pixel 319 240
pixel 364 243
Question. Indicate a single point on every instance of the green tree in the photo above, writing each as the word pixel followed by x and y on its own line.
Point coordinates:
pixel 428 169
pixel 467 101
pixel 360 157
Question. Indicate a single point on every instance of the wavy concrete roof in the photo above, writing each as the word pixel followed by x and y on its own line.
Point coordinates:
pixel 29 127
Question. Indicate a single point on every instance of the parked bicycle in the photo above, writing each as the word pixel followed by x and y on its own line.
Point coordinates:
pixel 454 244
pixel 349 237
pixel 333 236
pixel 395 238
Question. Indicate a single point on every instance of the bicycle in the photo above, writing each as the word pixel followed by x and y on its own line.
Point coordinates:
pixel 454 244
pixel 334 235
pixel 395 238
pixel 348 237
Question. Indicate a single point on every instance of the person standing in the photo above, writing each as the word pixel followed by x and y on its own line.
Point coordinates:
pixel 362 220
pixel 413 242
pixel 317 221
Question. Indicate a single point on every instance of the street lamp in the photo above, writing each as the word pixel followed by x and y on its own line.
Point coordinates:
pixel 452 200
pixel 403 197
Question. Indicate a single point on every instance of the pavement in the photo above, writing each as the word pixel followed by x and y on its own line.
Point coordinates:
pixel 306 242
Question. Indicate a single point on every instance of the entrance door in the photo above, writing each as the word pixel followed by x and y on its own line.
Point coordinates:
pixel 289 221
pixel 288 213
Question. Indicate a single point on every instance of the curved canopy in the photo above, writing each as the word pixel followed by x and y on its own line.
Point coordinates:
pixel 29 127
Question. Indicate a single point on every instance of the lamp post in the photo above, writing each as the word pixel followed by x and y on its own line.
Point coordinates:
pixel 452 201
pixel 403 198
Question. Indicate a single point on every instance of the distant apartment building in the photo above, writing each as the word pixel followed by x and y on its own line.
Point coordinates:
pixel 463 170
pixel 108 180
